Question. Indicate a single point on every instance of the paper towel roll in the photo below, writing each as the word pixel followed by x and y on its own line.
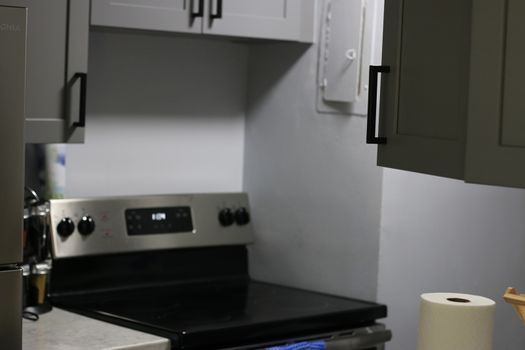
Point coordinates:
pixel 452 321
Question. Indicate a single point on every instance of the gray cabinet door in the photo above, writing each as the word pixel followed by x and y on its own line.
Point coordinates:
pixel 496 120
pixel 163 15
pixel 268 19
pixel 57 39
pixel 424 97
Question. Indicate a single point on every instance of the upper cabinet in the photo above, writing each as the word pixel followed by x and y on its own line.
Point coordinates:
pixel 166 15
pixel 270 19
pixel 57 44
pixel 424 95
pixel 496 118
pixel 452 99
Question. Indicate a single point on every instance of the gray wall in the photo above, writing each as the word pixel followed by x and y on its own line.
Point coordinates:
pixel 442 235
pixel 314 187
pixel 165 114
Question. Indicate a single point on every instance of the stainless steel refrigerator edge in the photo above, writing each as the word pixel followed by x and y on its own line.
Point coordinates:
pixel 13 22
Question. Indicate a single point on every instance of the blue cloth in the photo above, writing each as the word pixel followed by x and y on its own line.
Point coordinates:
pixel 305 345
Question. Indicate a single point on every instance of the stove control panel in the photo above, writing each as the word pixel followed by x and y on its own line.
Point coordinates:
pixel 95 226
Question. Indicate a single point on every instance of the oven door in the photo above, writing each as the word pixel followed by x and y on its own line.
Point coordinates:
pixel 360 339
pixel 367 338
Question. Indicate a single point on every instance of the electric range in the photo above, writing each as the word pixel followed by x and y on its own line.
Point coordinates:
pixel 177 266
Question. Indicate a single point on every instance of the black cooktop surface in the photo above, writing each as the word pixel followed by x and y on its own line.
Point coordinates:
pixel 200 299
pixel 211 315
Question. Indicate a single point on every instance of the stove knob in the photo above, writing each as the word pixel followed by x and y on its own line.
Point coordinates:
pixel 242 217
pixel 66 227
pixel 226 217
pixel 86 225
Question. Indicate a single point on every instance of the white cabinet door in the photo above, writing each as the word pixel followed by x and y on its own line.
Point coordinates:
pixel 424 97
pixel 496 121
pixel 268 19
pixel 163 15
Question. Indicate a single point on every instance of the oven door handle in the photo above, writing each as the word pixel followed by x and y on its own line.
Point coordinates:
pixel 359 341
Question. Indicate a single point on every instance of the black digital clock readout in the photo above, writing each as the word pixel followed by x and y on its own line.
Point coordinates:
pixel 150 221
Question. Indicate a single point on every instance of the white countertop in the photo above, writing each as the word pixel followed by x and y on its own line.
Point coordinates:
pixel 62 330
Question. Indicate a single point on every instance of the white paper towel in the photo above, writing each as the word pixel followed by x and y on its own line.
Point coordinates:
pixel 453 321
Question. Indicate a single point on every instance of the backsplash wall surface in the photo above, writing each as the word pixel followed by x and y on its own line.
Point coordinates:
pixel 165 115
pixel 312 179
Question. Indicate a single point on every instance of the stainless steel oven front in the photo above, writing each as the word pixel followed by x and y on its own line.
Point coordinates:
pixel 177 266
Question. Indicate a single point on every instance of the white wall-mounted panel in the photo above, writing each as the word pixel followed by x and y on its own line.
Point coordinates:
pixel 341 50
pixel 347 80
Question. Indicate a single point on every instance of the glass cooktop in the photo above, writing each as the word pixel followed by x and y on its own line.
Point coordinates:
pixel 210 315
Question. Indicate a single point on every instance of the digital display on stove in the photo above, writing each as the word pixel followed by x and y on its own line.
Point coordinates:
pixel 151 221
pixel 159 216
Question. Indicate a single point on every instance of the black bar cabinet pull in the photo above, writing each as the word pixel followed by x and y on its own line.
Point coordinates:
pixel 200 11
pixel 371 138
pixel 82 111
pixel 218 15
